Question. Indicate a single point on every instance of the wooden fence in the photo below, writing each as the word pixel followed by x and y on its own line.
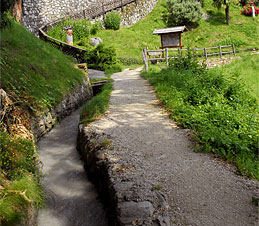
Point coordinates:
pixel 90 13
pixel 163 54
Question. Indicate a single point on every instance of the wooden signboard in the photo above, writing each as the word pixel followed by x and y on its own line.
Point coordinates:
pixel 170 37
pixel 171 40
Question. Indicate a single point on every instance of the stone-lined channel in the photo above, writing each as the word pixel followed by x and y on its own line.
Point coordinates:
pixel 70 198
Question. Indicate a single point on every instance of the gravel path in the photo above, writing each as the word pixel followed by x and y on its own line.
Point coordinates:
pixel 71 200
pixel 201 191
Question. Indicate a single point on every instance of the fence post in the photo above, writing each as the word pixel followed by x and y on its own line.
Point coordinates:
pixel 205 53
pixel 233 47
pixel 144 53
pixel 166 56
pixel 121 7
pixel 179 52
pixel 193 52
pixel 220 52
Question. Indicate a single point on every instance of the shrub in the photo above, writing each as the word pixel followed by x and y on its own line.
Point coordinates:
pixel 101 58
pixel 112 21
pixel 183 12
pixel 97 26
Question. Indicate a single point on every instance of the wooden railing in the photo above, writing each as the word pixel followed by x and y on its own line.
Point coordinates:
pixel 163 54
pixel 90 13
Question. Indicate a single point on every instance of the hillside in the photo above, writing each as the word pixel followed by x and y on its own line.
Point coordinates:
pixel 243 31
pixel 34 76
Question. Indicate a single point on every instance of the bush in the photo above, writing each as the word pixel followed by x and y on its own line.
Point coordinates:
pixel 97 26
pixel 112 21
pixel 183 12
pixel 101 58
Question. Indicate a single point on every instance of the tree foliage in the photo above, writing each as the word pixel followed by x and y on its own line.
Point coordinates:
pixel 183 12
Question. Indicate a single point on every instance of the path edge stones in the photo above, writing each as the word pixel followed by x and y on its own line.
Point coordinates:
pixel 124 206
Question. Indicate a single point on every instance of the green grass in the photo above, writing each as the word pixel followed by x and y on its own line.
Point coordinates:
pixel 243 31
pixel 247 68
pixel 98 105
pixel 33 71
pixel 13 205
pixel 215 104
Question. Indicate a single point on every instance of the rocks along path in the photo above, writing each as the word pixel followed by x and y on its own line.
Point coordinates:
pixel 71 199
pixel 201 190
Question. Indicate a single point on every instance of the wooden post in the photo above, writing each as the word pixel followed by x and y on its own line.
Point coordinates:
pixel 121 7
pixel 233 47
pixel 144 53
pixel 193 52
pixel 205 53
pixel 136 2
pixel 220 52
pixel 166 56
pixel 179 51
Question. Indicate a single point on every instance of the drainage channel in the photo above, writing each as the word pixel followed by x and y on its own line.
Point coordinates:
pixel 71 200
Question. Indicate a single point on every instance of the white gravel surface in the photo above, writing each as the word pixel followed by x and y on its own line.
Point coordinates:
pixel 201 190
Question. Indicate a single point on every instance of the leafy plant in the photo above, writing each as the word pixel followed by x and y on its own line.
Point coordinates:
pixel 101 57
pixel 112 21
pixel 183 12
pixel 97 26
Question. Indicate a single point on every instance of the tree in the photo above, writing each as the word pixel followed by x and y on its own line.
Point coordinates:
pixel 226 4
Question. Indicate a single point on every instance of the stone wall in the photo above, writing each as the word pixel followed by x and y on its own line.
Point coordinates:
pixel 40 12
pixel 71 101
pixel 128 201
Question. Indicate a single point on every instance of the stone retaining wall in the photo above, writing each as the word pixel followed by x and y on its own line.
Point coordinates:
pixel 127 202
pixel 70 102
pixel 40 12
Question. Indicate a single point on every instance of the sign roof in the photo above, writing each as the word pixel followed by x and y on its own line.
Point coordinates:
pixel 169 30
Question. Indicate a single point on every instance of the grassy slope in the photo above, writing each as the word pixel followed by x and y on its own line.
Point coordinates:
pixel 35 76
pixel 33 71
pixel 247 68
pixel 243 31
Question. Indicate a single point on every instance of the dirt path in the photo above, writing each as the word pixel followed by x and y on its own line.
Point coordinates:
pixel 71 198
pixel 201 190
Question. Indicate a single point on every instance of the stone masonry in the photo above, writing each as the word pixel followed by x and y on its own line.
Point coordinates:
pixel 40 12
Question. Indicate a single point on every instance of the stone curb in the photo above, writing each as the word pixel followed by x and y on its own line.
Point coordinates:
pixel 127 201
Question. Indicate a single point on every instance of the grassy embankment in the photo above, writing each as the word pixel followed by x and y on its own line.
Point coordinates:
pixel 35 76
